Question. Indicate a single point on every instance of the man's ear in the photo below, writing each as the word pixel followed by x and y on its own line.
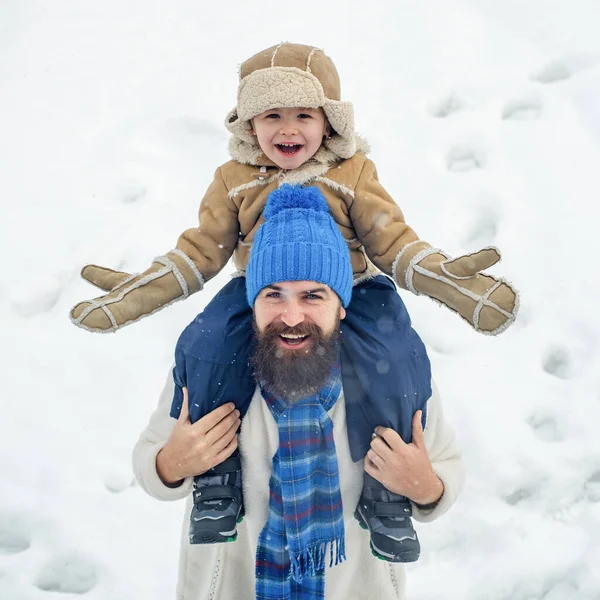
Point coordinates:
pixel 342 313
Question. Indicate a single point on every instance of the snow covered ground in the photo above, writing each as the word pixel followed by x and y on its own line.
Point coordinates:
pixel 484 118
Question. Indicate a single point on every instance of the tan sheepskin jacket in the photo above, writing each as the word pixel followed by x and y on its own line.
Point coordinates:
pixel 231 211
pixel 370 221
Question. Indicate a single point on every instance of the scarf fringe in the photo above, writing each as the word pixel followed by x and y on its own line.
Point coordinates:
pixel 312 559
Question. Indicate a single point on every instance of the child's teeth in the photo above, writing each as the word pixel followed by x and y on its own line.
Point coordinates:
pixel 293 148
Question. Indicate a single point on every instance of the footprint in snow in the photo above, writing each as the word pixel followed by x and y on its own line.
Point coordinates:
pixel 592 486
pixel 546 427
pixel 118 482
pixel 562 590
pixel 15 534
pixel 132 193
pixel 558 363
pixel 36 296
pixel 69 573
pixel 562 69
pixel 482 229
pixel 447 106
pixel 521 494
pixel 462 159
pixel 524 109
pixel 552 72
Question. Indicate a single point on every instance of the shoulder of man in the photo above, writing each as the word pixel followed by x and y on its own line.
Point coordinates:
pixel 440 437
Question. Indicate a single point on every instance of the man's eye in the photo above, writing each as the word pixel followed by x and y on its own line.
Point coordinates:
pixel 313 297
pixel 273 295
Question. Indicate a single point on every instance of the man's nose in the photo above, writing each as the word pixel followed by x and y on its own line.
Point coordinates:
pixel 292 315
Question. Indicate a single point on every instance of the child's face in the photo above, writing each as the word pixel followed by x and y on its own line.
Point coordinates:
pixel 290 136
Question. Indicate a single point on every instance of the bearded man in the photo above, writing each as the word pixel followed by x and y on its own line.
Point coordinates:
pixel 298 529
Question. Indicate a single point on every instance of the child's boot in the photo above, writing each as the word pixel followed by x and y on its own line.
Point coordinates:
pixel 218 503
pixel 388 518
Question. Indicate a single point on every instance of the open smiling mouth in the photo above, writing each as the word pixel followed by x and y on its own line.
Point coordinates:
pixel 289 149
pixel 293 341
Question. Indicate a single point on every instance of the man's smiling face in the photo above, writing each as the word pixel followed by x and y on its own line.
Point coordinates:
pixel 297 328
pixel 296 307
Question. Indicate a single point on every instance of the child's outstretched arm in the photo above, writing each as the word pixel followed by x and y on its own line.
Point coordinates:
pixel 200 254
pixel 488 303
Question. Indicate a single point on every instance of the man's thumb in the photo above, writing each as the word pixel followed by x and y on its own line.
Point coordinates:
pixel 417 429
pixel 184 414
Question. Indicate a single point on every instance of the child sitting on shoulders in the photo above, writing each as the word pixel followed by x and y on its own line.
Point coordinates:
pixel 291 127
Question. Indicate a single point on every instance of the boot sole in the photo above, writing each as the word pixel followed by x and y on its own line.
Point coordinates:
pixel 211 537
pixel 407 557
pixel 396 557
pixel 210 534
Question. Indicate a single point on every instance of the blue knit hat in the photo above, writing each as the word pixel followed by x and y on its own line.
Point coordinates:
pixel 299 241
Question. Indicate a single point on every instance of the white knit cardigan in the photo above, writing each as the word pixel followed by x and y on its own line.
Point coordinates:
pixel 226 571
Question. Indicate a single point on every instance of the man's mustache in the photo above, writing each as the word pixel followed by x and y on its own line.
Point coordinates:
pixel 302 329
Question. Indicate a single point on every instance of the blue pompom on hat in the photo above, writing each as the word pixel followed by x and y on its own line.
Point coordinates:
pixel 299 241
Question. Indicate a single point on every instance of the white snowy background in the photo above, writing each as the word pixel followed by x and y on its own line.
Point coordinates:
pixel 484 119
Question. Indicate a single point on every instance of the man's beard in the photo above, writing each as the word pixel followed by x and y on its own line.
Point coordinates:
pixel 290 374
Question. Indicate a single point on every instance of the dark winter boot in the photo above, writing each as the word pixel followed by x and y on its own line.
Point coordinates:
pixel 388 517
pixel 218 503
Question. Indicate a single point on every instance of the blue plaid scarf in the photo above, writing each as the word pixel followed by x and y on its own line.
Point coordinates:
pixel 305 521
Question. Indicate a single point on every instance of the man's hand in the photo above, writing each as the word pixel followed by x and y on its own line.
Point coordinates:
pixel 193 449
pixel 402 468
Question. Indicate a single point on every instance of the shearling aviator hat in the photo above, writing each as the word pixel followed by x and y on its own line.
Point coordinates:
pixel 291 75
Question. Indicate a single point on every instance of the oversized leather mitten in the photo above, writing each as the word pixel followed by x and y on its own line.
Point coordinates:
pixel 170 278
pixel 488 303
